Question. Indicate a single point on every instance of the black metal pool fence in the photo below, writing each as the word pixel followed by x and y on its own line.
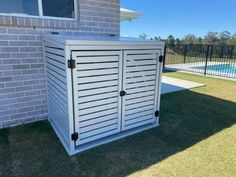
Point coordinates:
pixel 219 60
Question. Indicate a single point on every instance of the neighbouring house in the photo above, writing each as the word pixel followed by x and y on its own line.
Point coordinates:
pixel 22 25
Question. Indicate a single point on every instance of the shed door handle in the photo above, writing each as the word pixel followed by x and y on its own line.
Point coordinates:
pixel 123 93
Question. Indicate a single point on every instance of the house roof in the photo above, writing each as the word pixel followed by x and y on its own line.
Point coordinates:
pixel 126 14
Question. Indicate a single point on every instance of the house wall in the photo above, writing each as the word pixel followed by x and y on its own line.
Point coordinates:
pixel 22 76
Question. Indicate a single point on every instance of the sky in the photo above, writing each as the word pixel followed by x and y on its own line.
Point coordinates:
pixel 180 17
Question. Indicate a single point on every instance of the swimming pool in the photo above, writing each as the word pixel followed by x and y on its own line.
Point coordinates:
pixel 222 68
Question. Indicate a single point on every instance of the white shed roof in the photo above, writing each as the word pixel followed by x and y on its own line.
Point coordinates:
pixel 101 40
pixel 126 14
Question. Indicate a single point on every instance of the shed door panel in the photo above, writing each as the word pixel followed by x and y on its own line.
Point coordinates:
pixel 97 81
pixel 141 74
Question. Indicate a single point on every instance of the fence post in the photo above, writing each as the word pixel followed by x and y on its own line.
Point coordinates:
pixel 207 56
pixel 212 47
pixel 185 52
pixel 222 51
pixel 164 59
pixel 232 52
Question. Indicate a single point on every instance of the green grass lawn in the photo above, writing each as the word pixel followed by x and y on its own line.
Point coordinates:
pixel 196 137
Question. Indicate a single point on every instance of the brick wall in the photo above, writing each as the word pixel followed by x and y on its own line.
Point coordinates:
pixel 22 77
pixel 101 16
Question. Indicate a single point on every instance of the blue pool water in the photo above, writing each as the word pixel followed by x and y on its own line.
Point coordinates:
pixel 224 68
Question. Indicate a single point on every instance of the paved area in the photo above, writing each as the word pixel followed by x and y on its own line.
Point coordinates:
pixel 170 84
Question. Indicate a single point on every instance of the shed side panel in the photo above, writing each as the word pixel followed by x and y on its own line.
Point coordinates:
pixel 56 78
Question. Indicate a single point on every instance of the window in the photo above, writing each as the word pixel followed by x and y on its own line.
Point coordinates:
pixel 58 8
pixel 28 7
pixel 42 8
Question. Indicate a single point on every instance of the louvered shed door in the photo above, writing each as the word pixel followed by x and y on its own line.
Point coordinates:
pixel 97 82
pixel 140 81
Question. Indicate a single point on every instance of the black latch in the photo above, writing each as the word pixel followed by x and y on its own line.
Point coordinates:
pixel 122 93
pixel 161 58
pixel 71 64
pixel 74 136
pixel 54 32
pixel 157 113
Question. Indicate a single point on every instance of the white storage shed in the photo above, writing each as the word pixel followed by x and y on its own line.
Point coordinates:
pixel 101 89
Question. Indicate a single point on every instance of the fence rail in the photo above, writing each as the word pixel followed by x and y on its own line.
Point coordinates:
pixel 219 60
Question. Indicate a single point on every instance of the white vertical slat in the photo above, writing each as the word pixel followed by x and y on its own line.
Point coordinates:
pixel 121 63
pixel 40 8
pixel 159 84
pixel 124 89
pixel 75 96
pixel 157 93
pixel 70 99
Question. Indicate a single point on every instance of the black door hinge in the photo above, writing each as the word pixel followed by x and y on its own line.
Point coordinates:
pixel 157 113
pixel 74 136
pixel 71 64
pixel 122 93
pixel 161 58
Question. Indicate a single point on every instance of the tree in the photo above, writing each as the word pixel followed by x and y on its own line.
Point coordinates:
pixel 170 41
pixel 177 41
pixel 234 36
pixel 232 40
pixel 190 39
pixel 157 38
pixel 211 38
pixel 199 40
pixel 143 36
pixel 224 37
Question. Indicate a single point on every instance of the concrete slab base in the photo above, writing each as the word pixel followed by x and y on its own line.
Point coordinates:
pixel 170 84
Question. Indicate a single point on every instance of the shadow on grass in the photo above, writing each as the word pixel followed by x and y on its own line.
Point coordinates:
pixel 186 119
